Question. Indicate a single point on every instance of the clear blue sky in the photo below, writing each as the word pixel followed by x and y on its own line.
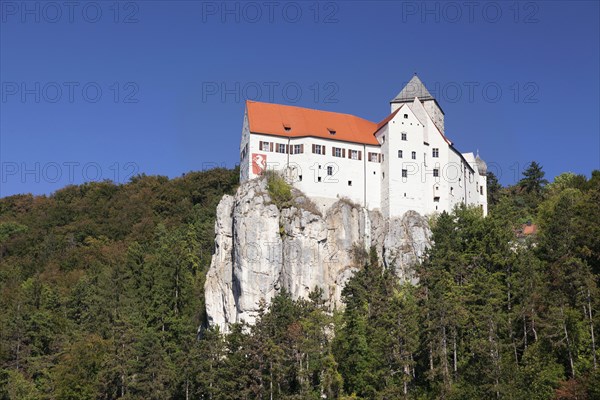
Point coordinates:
pixel 93 91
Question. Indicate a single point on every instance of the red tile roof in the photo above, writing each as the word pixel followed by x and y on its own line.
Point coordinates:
pixel 272 119
pixel 530 229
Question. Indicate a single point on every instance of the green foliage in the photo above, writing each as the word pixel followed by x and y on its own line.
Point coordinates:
pixel 493 189
pixel 377 337
pixel 17 386
pixel 533 179
pixel 279 190
pixel 102 286
pixel 102 295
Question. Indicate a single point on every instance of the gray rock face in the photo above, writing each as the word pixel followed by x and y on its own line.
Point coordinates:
pixel 260 250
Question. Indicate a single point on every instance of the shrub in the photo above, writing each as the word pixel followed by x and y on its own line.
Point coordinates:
pixel 279 190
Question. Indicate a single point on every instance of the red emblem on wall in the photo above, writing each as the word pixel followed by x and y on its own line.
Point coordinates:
pixel 259 163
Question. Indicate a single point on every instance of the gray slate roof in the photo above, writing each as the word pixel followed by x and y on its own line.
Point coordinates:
pixel 414 88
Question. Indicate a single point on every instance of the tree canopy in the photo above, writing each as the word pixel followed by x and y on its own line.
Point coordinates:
pixel 102 297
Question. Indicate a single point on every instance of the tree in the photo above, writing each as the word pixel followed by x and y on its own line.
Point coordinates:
pixel 493 189
pixel 76 376
pixel 533 181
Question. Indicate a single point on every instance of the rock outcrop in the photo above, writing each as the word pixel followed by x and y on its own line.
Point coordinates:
pixel 260 249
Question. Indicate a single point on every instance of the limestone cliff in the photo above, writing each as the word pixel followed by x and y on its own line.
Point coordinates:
pixel 260 249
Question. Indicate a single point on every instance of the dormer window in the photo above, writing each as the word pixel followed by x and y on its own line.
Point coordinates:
pixel 331 131
pixel 287 127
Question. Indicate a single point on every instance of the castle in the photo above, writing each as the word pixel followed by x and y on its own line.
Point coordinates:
pixel 405 162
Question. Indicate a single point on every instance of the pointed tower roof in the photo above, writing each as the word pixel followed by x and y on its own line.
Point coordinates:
pixel 414 88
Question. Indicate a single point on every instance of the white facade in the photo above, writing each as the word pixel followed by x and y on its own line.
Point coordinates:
pixel 413 166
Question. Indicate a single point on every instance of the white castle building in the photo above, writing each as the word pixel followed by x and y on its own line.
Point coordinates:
pixel 405 162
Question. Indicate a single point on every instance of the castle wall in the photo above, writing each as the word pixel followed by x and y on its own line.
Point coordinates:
pixel 405 192
pixel 437 179
pixel 340 172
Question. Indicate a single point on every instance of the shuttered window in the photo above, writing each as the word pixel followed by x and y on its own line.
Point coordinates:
pixel 266 146
pixel 355 154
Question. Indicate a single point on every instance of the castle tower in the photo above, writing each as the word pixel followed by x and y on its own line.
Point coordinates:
pixel 416 88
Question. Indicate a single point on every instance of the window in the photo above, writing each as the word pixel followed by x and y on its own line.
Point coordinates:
pixel 405 173
pixel 298 149
pixel 319 179
pixel 451 190
pixel 349 183
pixel 413 155
pixel 265 146
pixel 405 116
pixel 383 139
pixel 481 190
pixel 300 178
pixel 435 152
pixel 280 148
pixel 318 149
pixel 436 172
pixel 373 157
pixel 399 153
pixel 329 170
pixel 404 136
pixel 353 154
pixel 338 152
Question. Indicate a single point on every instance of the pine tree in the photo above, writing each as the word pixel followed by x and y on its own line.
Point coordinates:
pixel 533 181
pixel 493 189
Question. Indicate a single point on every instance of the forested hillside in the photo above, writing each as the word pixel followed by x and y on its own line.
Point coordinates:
pixel 102 295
